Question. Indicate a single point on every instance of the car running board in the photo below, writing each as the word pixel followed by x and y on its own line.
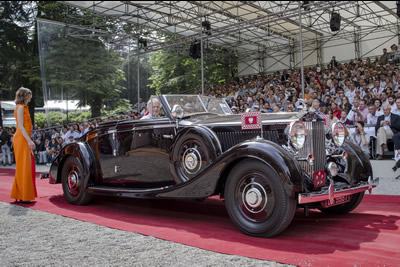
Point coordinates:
pixel 125 192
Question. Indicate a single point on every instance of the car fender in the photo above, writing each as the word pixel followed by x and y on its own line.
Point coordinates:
pixel 358 165
pixel 78 150
pixel 212 180
pixel 272 154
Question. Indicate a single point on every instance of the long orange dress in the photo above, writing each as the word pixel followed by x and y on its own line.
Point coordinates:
pixel 24 187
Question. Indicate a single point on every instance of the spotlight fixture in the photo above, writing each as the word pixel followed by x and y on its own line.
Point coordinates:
pixel 142 43
pixel 335 21
pixel 398 8
pixel 195 50
pixel 305 3
pixel 207 26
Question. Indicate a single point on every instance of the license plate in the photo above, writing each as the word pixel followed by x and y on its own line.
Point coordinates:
pixel 336 201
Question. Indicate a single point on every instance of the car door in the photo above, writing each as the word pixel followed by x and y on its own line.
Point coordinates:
pixel 106 151
pixel 144 151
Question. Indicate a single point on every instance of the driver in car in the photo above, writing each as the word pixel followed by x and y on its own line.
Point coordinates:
pixel 154 106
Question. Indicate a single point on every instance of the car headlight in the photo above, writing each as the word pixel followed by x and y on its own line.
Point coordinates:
pixel 297 134
pixel 338 133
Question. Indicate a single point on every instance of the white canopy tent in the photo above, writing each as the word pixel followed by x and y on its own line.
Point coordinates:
pixel 268 35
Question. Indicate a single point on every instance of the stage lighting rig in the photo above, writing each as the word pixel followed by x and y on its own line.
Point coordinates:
pixel 142 43
pixel 207 26
pixel 398 8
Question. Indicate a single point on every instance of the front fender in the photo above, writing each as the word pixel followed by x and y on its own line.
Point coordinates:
pixel 358 165
pixel 78 150
pixel 212 180
pixel 288 169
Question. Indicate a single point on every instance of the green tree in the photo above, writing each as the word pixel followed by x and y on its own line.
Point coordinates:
pixel 82 69
pixel 175 73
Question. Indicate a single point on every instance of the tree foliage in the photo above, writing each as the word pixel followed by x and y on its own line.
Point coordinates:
pixel 179 73
pixel 91 64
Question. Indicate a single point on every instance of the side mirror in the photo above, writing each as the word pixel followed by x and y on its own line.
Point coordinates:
pixel 177 112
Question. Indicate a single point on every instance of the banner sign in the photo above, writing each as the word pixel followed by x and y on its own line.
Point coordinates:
pixel 251 120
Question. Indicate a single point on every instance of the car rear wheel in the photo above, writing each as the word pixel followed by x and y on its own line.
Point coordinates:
pixel 73 182
pixel 256 200
pixel 345 207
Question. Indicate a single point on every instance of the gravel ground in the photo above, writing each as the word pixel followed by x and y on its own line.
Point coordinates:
pixel 32 237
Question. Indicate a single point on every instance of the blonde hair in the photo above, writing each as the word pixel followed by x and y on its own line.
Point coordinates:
pixel 21 95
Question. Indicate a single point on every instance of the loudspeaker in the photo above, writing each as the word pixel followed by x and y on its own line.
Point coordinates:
pixel 335 21
pixel 398 8
pixel 195 50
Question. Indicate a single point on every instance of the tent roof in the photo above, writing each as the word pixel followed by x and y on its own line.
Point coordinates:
pixel 247 26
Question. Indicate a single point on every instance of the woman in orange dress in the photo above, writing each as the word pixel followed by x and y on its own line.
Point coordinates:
pixel 24 188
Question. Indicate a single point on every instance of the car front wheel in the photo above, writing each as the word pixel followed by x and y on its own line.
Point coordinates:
pixel 256 200
pixel 73 182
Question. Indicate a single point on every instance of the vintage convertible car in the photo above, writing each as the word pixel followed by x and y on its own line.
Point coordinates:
pixel 196 149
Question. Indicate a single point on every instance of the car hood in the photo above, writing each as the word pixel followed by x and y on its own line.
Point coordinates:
pixel 210 119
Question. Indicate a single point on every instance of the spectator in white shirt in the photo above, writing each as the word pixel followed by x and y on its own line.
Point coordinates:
pixel 72 132
pixel 396 110
pixel 351 92
pixel 352 113
pixel 378 89
pixel 361 138
pixel 372 117
pixel 384 98
pixel 391 101
pixel 64 133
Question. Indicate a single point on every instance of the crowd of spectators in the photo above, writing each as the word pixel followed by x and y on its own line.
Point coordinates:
pixel 49 141
pixel 356 93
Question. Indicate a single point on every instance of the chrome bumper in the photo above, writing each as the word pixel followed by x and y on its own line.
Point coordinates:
pixel 331 193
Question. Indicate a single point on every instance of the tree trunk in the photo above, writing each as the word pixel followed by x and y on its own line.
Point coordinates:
pixel 95 106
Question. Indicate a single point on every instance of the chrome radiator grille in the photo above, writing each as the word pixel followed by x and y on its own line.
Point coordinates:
pixel 229 139
pixel 315 144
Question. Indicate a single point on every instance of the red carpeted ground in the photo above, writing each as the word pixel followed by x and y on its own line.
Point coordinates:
pixel 369 236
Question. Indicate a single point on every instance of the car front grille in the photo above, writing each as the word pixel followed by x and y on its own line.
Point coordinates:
pixel 230 139
pixel 315 144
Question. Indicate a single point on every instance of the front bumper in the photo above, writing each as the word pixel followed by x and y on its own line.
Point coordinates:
pixel 331 193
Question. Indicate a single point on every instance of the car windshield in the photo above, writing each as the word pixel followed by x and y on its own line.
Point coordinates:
pixel 216 105
pixel 191 104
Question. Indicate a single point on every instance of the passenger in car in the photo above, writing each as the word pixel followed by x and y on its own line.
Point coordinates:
pixel 153 109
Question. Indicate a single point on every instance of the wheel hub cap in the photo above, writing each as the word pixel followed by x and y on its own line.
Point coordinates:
pixel 254 197
pixel 192 160
pixel 73 180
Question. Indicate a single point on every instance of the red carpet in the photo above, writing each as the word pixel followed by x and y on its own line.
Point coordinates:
pixel 369 236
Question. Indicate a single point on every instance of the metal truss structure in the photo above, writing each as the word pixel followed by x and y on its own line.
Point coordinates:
pixel 255 29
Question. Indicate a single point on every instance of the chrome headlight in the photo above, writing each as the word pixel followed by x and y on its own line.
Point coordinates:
pixel 297 134
pixel 338 133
